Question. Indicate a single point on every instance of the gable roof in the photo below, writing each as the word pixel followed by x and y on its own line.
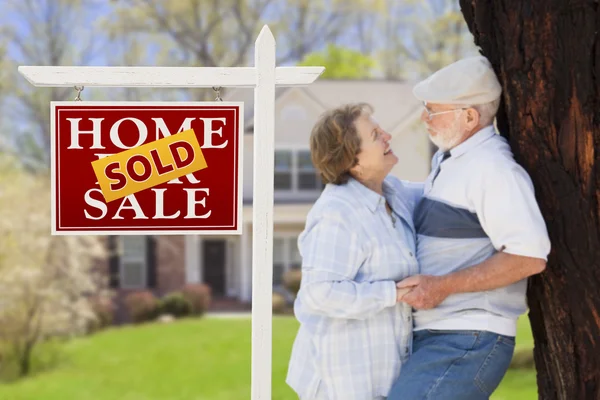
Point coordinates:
pixel 392 101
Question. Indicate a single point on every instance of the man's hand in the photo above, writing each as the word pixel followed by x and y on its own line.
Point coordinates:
pixel 427 291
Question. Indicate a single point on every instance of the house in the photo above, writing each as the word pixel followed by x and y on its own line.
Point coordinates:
pixel 166 263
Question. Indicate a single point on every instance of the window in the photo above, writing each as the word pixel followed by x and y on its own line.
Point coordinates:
pixel 294 171
pixel 285 257
pixel 278 261
pixel 283 170
pixel 133 262
pixel 307 174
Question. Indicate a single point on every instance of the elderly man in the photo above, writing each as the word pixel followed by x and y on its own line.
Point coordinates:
pixel 480 234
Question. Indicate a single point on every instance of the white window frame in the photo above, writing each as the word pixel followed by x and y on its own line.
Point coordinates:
pixel 143 259
pixel 295 170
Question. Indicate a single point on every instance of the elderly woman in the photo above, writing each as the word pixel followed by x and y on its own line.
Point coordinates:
pixel 359 240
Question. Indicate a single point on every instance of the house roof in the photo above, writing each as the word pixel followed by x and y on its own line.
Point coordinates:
pixel 392 101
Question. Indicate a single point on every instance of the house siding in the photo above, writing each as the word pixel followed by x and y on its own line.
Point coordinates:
pixel 170 272
pixel 297 109
pixel 170 261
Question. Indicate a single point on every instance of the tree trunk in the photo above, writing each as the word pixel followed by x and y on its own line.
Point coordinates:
pixel 547 56
pixel 25 359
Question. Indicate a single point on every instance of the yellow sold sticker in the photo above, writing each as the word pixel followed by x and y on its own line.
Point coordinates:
pixel 148 165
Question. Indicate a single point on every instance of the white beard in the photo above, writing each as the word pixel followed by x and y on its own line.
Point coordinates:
pixel 448 138
pixel 445 141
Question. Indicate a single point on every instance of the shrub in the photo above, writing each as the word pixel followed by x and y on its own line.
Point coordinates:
pixel 292 279
pixel 142 306
pixel 175 304
pixel 279 303
pixel 199 296
pixel 104 312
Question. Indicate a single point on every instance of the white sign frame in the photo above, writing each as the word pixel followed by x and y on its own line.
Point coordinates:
pixel 263 77
pixel 158 231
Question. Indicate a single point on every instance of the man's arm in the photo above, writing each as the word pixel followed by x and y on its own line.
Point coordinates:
pixel 414 191
pixel 500 270
pixel 505 204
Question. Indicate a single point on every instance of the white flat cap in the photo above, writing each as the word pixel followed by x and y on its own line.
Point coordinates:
pixel 468 81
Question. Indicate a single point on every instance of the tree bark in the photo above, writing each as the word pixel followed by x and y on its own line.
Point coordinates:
pixel 547 56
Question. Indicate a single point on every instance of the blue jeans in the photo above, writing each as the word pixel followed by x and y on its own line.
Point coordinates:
pixel 448 365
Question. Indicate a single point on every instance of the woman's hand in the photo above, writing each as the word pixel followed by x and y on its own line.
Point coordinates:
pixel 401 292
pixel 425 291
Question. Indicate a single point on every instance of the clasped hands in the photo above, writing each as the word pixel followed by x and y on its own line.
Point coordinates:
pixel 422 292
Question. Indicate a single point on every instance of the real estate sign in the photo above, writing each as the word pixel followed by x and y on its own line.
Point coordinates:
pixel 146 167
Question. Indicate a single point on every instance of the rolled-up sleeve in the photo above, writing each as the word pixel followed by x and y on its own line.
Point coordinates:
pixel 331 256
pixel 509 214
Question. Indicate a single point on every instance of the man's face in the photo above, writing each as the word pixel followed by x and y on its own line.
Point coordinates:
pixel 445 129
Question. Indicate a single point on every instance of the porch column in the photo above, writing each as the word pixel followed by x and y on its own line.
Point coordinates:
pixel 192 259
pixel 245 265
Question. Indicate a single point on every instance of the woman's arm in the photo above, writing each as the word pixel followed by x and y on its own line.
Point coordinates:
pixel 331 257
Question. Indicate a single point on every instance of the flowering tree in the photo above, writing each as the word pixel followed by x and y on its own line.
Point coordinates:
pixel 46 282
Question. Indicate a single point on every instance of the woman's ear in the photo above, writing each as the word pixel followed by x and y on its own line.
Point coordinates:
pixel 356 171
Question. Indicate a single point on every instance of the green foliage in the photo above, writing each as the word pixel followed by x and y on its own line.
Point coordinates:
pixel 46 355
pixel 175 304
pixel 279 303
pixel 523 359
pixel 423 36
pixel 341 63
pixel 207 33
pixel 292 279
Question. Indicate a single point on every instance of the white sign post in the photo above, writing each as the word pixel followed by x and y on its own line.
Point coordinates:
pixel 264 77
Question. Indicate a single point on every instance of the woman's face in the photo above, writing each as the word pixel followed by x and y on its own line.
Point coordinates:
pixel 376 158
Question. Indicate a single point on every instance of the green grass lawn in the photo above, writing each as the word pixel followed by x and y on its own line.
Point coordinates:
pixel 187 360
pixel 519 384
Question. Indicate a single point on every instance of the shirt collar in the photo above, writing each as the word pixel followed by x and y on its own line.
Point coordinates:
pixel 368 197
pixel 481 136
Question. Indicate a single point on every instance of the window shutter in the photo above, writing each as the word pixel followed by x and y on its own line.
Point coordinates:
pixel 151 261
pixel 113 262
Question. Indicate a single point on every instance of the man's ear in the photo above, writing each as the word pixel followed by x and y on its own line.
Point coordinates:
pixel 472 117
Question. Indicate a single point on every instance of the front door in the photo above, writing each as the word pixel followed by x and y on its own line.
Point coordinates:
pixel 213 261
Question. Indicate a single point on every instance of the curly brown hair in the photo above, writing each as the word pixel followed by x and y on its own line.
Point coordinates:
pixel 335 143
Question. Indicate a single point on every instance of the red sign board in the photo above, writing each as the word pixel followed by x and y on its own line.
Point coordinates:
pixel 208 201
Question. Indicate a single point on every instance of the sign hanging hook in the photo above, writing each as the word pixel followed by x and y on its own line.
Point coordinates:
pixel 217 89
pixel 79 90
